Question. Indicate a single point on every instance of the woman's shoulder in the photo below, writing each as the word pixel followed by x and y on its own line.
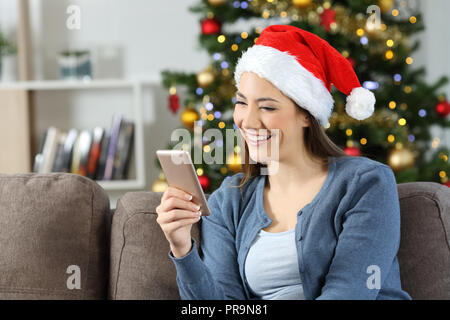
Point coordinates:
pixel 357 165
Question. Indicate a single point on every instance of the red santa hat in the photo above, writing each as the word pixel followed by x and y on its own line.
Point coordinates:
pixel 304 66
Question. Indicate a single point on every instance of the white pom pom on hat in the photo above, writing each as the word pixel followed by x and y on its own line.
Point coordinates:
pixel 304 66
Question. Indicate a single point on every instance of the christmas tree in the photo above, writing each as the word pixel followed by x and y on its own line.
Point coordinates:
pixel 372 35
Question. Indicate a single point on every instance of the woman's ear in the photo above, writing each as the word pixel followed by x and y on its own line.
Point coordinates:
pixel 307 120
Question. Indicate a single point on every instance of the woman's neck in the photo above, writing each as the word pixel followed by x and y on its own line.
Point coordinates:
pixel 285 177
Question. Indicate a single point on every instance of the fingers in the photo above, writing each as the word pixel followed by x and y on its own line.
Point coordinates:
pixel 176 203
pixel 176 215
pixel 172 226
pixel 175 192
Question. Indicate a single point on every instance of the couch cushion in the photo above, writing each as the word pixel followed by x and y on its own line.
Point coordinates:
pixel 424 254
pixel 54 231
pixel 140 265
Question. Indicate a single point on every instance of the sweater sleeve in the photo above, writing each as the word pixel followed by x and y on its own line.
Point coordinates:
pixel 369 238
pixel 216 275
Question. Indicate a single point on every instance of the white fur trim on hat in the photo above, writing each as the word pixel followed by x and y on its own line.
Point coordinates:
pixel 290 77
pixel 360 103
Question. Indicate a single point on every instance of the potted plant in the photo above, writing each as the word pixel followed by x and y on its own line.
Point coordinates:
pixel 7 58
pixel 75 64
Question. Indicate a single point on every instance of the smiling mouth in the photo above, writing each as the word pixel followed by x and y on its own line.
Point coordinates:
pixel 257 140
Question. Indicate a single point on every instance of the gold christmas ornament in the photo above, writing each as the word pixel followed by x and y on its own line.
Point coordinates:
pixel 301 3
pixel 160 184
pixel 216 2
pixel 234 162
pixel 400 159
pixel 205 78
pixel 189 116
pixel 386 5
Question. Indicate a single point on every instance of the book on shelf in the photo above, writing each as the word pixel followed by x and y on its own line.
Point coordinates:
pixel 49 150
pixel 97 154
pixel 112 148
pixel 58 162
pixel 94 155
pixel 84 149
pixel 103 155
pixel 124 146
pixel 68 150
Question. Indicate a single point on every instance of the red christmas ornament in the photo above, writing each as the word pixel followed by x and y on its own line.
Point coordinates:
pixel 204 181
pixel 174 103
pixel 210 26
pixel 352 151
pixel 447 184
pixel 443 108
pixel 327 17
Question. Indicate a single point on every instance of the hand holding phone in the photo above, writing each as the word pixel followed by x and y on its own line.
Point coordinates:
pixel 176 215
pixel 180 173
pixel 181 202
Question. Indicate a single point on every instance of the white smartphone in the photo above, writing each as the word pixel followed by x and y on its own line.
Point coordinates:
pixel 180 173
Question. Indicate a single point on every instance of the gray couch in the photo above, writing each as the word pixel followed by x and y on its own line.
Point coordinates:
pixel 60 240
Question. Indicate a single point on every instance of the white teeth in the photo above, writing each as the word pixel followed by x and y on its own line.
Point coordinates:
pixel 258 137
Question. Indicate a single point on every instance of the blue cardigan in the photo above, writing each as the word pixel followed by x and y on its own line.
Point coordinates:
pixel 347 237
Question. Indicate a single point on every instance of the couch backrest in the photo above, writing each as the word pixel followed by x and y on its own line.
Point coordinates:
pixel 140 265
pixel 424 254
pixel 54 237
pixel 141 268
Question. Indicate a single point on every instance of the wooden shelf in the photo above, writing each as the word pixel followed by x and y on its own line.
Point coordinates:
pixel 78 84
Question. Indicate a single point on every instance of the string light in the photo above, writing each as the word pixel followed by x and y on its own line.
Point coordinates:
pixel 435 143
pixel 389 54
pixel 402 121
pixel 392 105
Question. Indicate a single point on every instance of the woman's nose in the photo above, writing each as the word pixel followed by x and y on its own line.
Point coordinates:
pixel 251 118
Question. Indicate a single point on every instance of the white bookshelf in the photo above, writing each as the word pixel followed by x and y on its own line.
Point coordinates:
pixel 77 84
pixel 135 85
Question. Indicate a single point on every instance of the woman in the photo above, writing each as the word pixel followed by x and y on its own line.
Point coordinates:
pixel 320 225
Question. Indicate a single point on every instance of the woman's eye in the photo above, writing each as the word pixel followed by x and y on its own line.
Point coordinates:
pixel 268 108
pixel 239 102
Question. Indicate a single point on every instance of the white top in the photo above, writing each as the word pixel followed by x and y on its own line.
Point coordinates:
pixel 271 267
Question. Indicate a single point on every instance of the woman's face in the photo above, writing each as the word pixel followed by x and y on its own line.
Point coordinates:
pixel 260 109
